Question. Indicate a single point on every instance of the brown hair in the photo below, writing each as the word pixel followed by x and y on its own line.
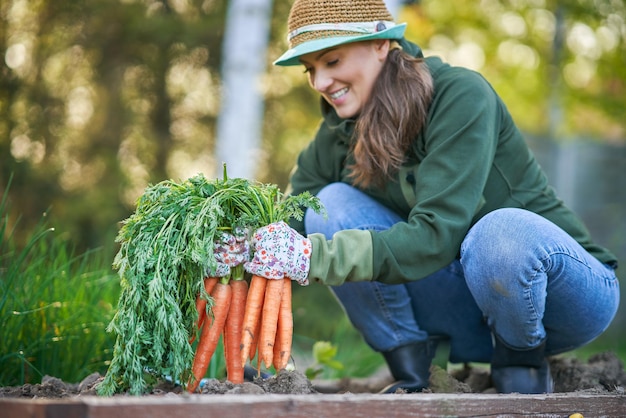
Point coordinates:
pixel 394 114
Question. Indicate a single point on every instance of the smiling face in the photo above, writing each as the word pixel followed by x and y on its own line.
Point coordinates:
pixel 345 75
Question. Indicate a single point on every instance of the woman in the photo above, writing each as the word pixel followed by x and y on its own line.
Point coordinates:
pixel 441 224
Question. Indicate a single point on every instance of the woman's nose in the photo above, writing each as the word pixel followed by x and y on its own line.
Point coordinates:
pixel 321 81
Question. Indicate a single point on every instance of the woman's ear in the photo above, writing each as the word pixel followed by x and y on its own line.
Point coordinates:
pixel 381 48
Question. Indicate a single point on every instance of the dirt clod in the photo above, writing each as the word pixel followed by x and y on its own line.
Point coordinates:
pixel 293 382
pixel 603 372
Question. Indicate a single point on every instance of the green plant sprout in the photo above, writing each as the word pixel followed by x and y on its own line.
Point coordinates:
pixel 324 354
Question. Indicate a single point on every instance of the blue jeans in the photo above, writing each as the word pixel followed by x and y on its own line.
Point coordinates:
pixel 548 289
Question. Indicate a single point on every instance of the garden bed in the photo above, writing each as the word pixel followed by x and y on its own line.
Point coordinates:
pixel 592 388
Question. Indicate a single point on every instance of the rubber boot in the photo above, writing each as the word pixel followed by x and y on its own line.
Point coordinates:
pixel 517 371
pixel 410 366
pixel 250 373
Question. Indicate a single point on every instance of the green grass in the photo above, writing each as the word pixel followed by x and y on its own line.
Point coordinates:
pixel 54 306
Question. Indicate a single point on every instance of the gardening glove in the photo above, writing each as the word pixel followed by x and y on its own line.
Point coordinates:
pixel 280 251
pixel 230 250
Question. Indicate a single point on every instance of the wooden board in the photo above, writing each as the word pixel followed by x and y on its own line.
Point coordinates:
pixel 320 406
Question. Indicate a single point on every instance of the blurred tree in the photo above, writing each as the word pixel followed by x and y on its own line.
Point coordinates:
pixel 559 65
pixel 101 97
pixel 244 63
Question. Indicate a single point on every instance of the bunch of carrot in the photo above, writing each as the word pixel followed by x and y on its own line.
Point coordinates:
pixel 166 250
pixel 254 320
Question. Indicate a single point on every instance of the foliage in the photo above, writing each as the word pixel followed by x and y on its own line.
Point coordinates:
pixel 100 98
pixel 166 251
pixel 54 306
pixel 324 354
pixel 559 65
pixel 96 97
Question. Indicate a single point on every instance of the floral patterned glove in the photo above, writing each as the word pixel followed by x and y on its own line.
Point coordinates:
pixel 229 251
pixel 280 252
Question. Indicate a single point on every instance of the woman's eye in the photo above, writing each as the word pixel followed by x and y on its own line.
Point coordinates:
pixel 331 63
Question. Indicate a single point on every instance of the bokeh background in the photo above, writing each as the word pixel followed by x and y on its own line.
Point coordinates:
pixel 100 98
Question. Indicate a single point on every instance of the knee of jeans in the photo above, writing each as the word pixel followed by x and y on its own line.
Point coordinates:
pixel 493 242
pixel 335 194
pixel 495 230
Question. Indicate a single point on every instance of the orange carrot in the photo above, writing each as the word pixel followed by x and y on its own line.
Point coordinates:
pixel 255 340
pixel 269 321
pixel 284 333
pixel 254 345
pixel 233 331
pixel 252 315
pixel 209 284
pixel 210 335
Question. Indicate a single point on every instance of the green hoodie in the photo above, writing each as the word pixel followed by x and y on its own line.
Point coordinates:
pixel 469 160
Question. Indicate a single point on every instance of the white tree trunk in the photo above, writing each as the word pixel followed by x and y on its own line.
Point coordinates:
pixel 239 124
pixel 394 7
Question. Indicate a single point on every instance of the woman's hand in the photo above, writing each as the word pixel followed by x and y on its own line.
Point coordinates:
pixel 229 251
pixel 280 251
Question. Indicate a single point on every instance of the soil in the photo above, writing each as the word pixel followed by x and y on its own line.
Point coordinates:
pixel 603 373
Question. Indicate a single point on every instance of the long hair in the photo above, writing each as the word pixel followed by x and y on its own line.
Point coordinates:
pixel 394 114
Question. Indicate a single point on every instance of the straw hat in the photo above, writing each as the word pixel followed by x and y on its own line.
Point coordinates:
pixel 314 25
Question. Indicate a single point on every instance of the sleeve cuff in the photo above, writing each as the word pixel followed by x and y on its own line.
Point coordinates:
pixel 347 257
